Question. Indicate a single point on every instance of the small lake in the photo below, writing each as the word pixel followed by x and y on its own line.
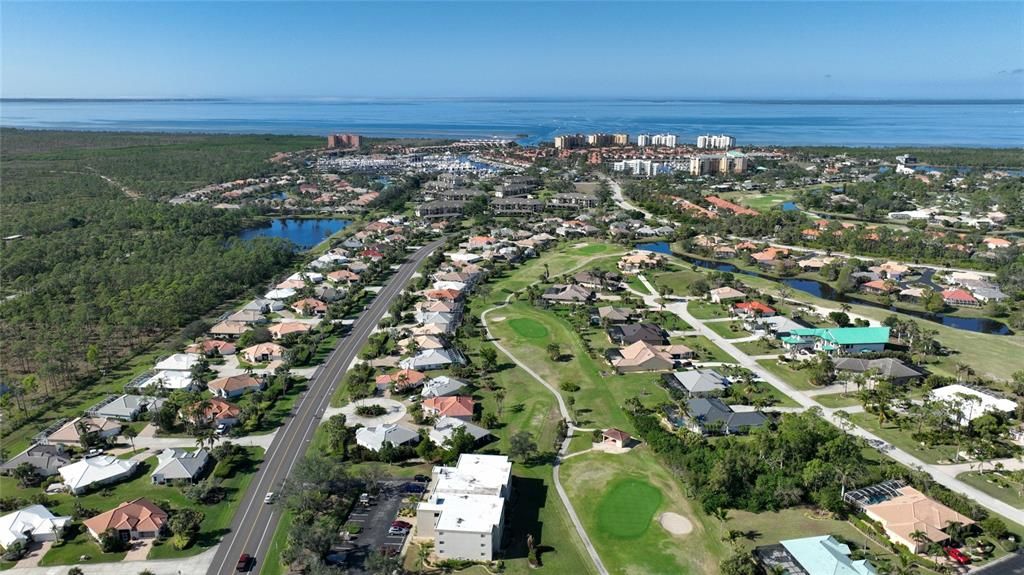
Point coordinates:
pixel 825 291
pixel 303 233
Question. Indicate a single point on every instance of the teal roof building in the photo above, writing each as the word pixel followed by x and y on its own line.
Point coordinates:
pixel 820 555
pixel 842 339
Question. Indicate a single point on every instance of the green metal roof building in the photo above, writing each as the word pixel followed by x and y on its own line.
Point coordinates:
pixel 842 339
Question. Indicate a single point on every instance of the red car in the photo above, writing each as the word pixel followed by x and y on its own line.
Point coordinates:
pixel 957 555
pixel 243 563
pixel 402 525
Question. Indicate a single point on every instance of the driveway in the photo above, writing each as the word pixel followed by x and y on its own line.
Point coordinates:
pixel 375 522
pixel 35 553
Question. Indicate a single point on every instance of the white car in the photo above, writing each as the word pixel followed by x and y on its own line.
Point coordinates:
pixel 269 497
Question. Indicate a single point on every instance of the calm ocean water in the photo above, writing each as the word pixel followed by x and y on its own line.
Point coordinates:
pixel 851 123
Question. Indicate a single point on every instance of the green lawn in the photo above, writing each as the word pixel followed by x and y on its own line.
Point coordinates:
pixel 758 347
pixel 619 498
pixel 216 520
pixel 680 281
pixel 627 508
pixel 528 328
pixel 996 484
pixel 740 396
pixel 838 400
pixel 667 320
pixel 901 438
pixel 728 329
pixel 602 391
pixel 701 309
pixel 593 249
pixel 559 260
pixel 705 348
pixel 771 527
pixel 798 378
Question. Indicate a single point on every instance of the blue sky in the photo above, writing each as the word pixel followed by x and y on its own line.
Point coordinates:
pixel 687 49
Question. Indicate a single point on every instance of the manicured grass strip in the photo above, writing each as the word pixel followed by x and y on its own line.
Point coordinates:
pixel 701 309
pixel 903 440
pixel 728 329
pixel 798 378
pixel 529 328
pixel 837 400
pixel 627 509
pixel 996 484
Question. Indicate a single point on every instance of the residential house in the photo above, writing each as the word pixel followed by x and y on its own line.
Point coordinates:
pixel 445 427
pixel 973 402
pixel 614 315
pixel 639 261
pixel 46 460
pixel 70 432
pixel 127 407
pixel 212 348
pixel 887 368
pixel 697 383
pixel 131 520
pixel 642 356
pixel 465 510
pixel 878 287
pixel 234 386
pixel 229 329
pixel 263 352
pixel 841 340
pixel 95 471
pixel 709 415
pixel 343 276
pixel 570 293
pixel 960 298
pixel 441 209
pixel 456 406
pixel 572 200
pixel 819 555
pixel 516 206
pixel 218 412
pixel 596 280
pixel 904 511
pixel 626 334
pixel 430 359
pixel 442 386
pixel 180 466
pixel 402 379
pixel 310 307
pixel 374 438
pixel 280 330
pixel 247 316
pixel 724 294
pixel 31 524
pixel 752 309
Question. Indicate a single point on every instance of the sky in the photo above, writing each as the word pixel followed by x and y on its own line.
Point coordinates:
pixel 824 49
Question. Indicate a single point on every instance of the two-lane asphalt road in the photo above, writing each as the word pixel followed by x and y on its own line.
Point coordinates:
pixel 255 522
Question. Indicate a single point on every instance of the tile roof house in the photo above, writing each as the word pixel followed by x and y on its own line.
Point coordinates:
pixel 698 382
pixel 615 437
pixel 69 433
pixel 262 352
pixel 638 261
pixel 279 330
pixel 960 298
pixel 136 519
pixel 179 465
pixel 229 329
pixel 457 406
pixel 402 379
pixel 642 356
pixel 45 459
pixel 94 471
pixel 212 348
pixel 570 293
pixel 711 415
pixel 630 333
pixel 31 524
pixel 718 295
pixel 310 307
pixel 615 315
pixel 234 386
pixel 221 412
pixel 910 511
pixel 752 309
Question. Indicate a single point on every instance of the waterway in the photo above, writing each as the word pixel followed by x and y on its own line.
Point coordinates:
pixel 825 291
pixel 304 233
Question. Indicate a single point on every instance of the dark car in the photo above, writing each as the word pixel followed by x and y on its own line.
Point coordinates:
pixel 413 488
pixel 399 524
pixel 244 561
pixel 422 478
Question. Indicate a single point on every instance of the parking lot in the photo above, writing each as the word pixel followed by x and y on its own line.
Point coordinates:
pixel 375 521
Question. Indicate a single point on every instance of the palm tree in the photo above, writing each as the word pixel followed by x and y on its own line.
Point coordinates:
pixel 129 433
pixel 919 537
pixel 426 548
pixel 205 435
pixel 499 401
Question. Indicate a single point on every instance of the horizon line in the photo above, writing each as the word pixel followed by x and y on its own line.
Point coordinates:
pixel 344 99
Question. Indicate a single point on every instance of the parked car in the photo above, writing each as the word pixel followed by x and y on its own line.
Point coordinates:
pixel 94 452
pixel 957 555
pixel 399 524
pixel 397 531
pixel 243 563
pixel 364 499
pixel 422 478
pixel 413 488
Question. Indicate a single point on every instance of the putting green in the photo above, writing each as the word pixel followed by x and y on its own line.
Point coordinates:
pixel 593 249
pixel 528 328
pixel 627 509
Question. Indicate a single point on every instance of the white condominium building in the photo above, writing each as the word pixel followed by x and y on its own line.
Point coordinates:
pixel 667 140
pixel 465 510
pixel 643 140
pixel 719 142
pixel 645 168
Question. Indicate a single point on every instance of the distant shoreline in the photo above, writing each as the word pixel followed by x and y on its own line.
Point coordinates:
pixel 653 100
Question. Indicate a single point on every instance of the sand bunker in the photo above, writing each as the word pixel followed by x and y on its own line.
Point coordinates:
pixel 581 245
pixel 675 523
pixel 497 318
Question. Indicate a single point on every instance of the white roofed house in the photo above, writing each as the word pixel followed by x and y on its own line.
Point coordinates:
pixel 95 471
pixel 429 359
pixel 127 407
pixel 31 524
pixel 441 386
pixel 374 438
pixel 465 510
pixel 179 465
pixel 972 403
